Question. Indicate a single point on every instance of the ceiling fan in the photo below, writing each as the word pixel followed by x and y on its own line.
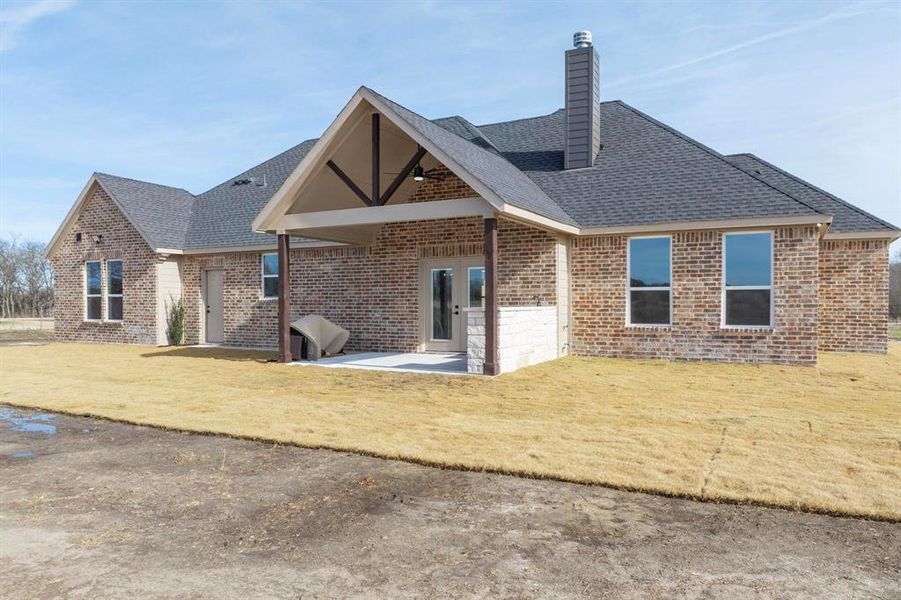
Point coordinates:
pixel 420 174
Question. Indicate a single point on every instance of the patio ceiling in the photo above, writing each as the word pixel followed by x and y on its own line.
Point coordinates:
pixel 335 195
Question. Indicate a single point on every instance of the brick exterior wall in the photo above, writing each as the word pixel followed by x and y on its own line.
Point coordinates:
pixel 830 295
pixel 853 296
pixel 599 302
pixel 372 291
pixel 100 216
pixel 450 187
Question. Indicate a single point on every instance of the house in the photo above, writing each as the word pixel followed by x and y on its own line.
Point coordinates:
pixel 594 230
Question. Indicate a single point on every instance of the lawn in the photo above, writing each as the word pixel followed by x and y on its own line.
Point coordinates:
pixel 822 439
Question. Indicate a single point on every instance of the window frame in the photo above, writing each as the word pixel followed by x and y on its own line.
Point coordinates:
pixel 107 295
pixel 86 295
pixel 630 289
pixel 264 277
pixel 771 287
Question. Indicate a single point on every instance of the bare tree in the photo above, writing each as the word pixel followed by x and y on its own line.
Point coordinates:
pixel 26 279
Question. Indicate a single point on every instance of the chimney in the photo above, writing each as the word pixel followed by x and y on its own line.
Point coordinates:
pixel 583 94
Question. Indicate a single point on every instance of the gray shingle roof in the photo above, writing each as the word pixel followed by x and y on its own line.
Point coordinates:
pixel 223 214
pixel 646 173
pixel 846 217
pixel 159 212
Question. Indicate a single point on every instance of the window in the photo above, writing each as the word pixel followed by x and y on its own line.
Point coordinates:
pixel 114 290
pixel 92 284
pixel 748 279
pixel 649 293
pixel 477 287
pixel 270 275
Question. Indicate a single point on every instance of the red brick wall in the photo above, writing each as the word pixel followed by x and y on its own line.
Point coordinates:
pixel 853 295
pixel 599 302
pixel 100 216
pixel 373 291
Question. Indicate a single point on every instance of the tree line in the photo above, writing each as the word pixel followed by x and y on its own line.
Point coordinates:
pixel 26 279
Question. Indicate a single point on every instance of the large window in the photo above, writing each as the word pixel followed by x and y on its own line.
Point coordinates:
pixel 649 291
pixel 93 280
pixel 748 279
pixel 114 290
pixel 269 268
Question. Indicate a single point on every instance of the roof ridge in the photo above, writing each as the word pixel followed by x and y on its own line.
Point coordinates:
pixel 817 189
pixel 535 118
pixel 469 125
pixel 562 108
pixel 171 187
pixel 713 153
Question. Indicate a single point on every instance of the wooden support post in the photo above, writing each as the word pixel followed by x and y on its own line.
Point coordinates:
pixel 284 299
pixel 376 168
pixel 491 366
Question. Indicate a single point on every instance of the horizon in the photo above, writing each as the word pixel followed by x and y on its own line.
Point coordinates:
pixel 140 91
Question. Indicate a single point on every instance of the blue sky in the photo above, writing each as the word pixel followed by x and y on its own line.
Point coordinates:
pixel 188 94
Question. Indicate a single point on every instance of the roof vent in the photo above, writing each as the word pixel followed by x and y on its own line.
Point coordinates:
pixel 581 39
pixel 258 181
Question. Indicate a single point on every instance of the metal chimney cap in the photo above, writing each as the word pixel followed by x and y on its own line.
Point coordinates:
pixel 582 39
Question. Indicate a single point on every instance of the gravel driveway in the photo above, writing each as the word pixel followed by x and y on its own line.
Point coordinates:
pixel 95 509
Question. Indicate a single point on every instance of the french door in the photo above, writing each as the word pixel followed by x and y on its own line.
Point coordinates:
pixel 447 287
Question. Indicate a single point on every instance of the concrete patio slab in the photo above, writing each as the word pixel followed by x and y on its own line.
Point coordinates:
pixel 445 364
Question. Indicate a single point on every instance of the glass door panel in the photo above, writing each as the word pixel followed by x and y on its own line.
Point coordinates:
pixel 442 304
pixel 476 287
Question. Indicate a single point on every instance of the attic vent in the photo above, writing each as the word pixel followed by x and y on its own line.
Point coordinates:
pixel 258 181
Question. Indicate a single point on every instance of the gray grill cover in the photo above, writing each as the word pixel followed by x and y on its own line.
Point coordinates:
pixel 322 333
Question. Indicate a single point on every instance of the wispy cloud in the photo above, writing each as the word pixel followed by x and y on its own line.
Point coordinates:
pixel 837 15
pixel 16 19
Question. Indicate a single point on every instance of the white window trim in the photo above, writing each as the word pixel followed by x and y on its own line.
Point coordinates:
pixel 108 295
pixel 769 287
pixel 264 277
pixel 630 289
pixel 97 295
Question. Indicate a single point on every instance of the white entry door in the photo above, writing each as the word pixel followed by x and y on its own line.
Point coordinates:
pixel 212 299
pixel 448 286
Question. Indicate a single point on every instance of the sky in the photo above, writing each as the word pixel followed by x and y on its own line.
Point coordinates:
pixel 191 93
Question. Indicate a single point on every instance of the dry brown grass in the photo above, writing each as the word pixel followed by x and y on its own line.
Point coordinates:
pixel 825 439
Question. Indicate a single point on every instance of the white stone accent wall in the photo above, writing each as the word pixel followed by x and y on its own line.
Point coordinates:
pixel 527 335
pixel 475 339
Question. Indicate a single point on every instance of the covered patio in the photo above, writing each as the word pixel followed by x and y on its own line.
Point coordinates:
pixel 446 274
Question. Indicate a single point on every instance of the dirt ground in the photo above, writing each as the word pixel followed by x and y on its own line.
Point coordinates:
pixel 96 509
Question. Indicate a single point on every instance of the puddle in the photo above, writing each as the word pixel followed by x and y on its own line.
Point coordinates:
pixel 35 423
pixel 26 454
